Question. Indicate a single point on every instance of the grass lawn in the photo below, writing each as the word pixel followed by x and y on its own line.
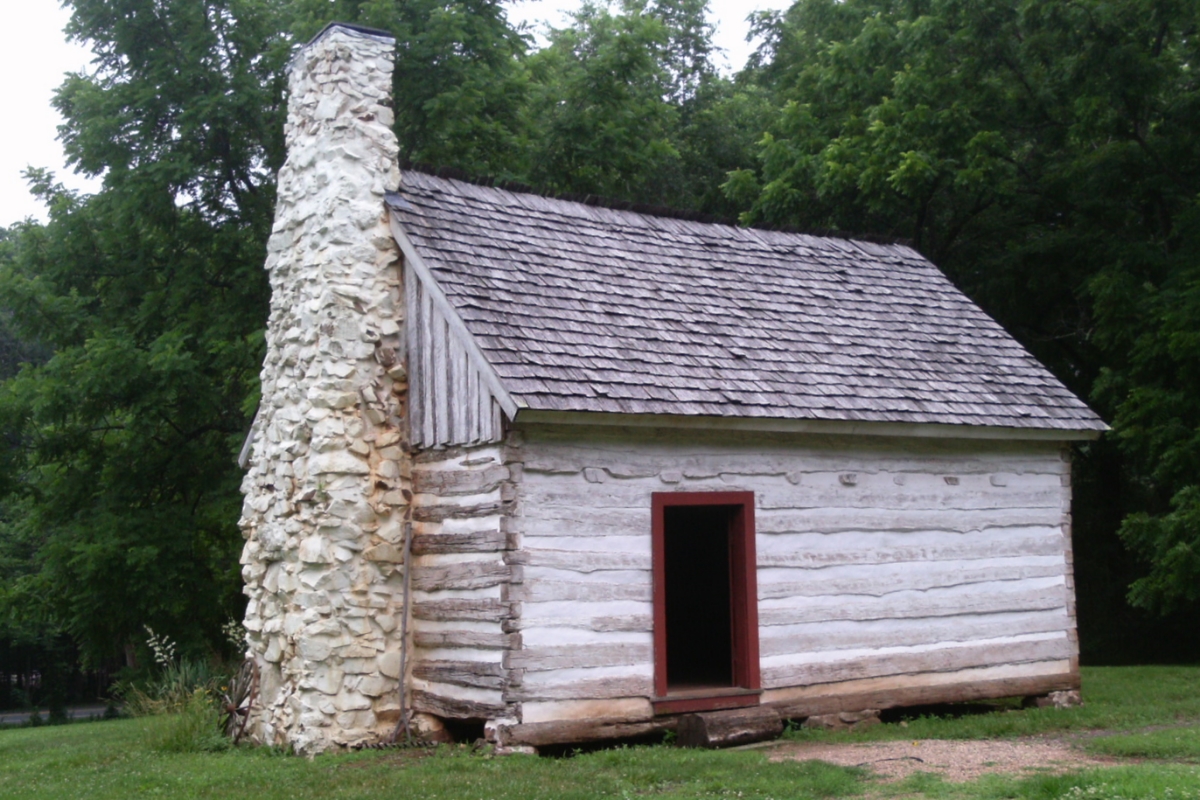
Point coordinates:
pixel 1115 699
pixel 1150 713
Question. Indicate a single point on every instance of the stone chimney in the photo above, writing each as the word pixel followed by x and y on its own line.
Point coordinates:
pixel 327 481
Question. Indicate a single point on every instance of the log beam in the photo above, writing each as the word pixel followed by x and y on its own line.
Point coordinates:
pixel 539 734
pixel 728 728
pixel 901 695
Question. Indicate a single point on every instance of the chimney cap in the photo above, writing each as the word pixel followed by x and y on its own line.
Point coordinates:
pixel 350 27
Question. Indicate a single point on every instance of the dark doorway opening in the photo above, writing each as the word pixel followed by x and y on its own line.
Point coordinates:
pixel 699 631
pixel 705 601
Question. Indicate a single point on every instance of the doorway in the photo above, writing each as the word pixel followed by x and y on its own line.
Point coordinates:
pixel 705 595
pixel 699 623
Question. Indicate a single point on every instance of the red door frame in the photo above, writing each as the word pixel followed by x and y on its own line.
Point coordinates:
pixel 743 567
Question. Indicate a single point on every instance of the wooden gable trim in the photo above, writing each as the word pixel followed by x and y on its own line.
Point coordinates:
pixel 458 329
pixel 928 430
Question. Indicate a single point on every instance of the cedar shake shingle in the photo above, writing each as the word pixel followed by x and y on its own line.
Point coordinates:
pixel 584 308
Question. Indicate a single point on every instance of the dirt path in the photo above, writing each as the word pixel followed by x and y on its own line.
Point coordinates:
pixel 953 759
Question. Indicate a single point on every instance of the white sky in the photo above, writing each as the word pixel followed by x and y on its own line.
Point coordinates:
pixel 36 57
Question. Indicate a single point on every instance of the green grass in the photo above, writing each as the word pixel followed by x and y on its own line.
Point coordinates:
pixel 1176 744
pixel 1160 782
pixel 1115 698
pixel 113 760
pixel 1148 713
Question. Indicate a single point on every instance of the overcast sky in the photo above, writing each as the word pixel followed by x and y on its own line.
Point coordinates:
pixel 36 57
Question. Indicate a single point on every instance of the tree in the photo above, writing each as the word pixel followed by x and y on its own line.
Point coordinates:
pixel 1151 327
pixel 626 104
pixel 1042 153
pixel 602 105
pixel 719 133
pixel 152 296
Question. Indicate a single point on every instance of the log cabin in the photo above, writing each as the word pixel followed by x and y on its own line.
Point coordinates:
pixel 549 472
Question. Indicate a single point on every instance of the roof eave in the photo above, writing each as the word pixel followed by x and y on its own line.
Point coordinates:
pixel 839 427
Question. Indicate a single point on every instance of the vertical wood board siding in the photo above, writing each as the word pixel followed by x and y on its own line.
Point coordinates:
pixel 450 403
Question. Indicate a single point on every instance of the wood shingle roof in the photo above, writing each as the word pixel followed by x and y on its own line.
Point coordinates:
pixel 584 308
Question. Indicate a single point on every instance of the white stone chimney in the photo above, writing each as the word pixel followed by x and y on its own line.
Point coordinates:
pixel 326 488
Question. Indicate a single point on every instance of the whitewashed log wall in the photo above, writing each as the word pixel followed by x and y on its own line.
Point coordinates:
pixel 919 569
pixel 461 608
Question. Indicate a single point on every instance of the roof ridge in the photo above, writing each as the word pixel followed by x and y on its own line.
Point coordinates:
pixel 645 209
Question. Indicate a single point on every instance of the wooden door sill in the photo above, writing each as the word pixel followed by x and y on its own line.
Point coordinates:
pixel 706 700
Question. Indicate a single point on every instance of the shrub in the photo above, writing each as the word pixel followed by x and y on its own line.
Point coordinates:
pixel 195 728
pixel 171 690
pixel 180 701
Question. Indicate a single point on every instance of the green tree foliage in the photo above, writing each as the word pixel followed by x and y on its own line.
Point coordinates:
pixel 720 130
pixel 1043 152
pixel 1149 321
pixel 603 104
pixel 627 104
pixel 152 296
